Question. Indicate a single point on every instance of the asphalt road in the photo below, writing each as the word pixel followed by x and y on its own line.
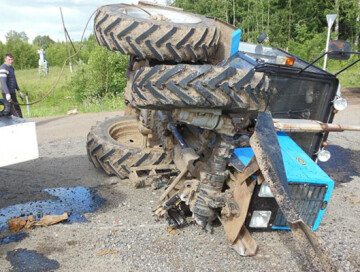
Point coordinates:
pixel 124 224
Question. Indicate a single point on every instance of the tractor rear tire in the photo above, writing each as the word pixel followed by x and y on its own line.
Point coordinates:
pixel 166 87
pixel 156 32
pixel 115 146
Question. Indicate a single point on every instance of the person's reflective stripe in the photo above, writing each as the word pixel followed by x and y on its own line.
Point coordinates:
pixel 4 71
pixel 3 75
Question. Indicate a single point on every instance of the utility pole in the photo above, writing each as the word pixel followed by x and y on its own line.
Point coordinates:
pixel 67 42
pixel 234 14
pixel 337 21
pixel 357 32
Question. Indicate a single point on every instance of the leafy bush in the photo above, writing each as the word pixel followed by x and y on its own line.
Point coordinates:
pixel 56 53
pixel 103 76
pixel 88 45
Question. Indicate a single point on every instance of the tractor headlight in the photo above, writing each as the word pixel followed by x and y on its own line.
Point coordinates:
pixel 284 60
pixel 324 155
pixel 260 219
pixel 265 190
pixel 340 103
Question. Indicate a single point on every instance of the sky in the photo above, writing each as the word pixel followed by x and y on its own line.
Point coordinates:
pixel 42 17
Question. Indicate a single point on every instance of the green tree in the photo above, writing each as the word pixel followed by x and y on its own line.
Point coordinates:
pixel 285 21
pixel 349 12
pixel 2 51
pixel 13 36
pixel 25 54
pixel 42 42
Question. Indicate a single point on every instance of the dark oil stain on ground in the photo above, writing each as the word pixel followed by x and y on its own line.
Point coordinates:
pixel 23 260
pixel 343 164
pixel 74 200
pixel 13 238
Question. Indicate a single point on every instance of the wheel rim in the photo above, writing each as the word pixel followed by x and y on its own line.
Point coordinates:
pixel 126 132
pixel 152 13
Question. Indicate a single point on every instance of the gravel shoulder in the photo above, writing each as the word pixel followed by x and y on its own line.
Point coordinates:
pixel 139 241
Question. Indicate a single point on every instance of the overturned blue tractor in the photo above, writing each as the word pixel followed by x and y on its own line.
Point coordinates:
pixel 232 129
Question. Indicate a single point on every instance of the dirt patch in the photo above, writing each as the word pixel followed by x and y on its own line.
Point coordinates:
pixel 351 93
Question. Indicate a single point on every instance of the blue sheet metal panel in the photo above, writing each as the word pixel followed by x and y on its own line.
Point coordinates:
pixel 235 42
pixel 299 167
pixel 244 154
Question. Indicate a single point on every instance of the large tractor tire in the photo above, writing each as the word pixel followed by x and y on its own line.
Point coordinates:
pixel 115 146
pixel 156 32
pixel 5 107
pixel 199 86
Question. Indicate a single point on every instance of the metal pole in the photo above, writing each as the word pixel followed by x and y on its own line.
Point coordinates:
pixel 27 106
pixel 330 20
pixel 67 43
pixel 327 48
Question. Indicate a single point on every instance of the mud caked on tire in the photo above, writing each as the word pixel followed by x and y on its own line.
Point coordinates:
pixel 155 32
pixel 115 146
pixel 199 86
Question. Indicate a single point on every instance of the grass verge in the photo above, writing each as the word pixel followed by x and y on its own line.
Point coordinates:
pixel 61 100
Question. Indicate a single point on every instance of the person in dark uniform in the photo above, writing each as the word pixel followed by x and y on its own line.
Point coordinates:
pixel 9 84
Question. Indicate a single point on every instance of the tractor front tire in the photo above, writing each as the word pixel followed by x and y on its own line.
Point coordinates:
pixel 115 146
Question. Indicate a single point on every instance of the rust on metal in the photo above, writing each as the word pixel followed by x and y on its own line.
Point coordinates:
pixel 245 244
pixel 251 169
pixel 242 195
pixel 304 125
pixel 260 179
pixel 150 175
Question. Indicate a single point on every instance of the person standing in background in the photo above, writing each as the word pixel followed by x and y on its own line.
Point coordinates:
pixel 9 85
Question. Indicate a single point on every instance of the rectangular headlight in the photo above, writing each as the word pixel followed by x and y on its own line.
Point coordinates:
pixel 260 219
pixel 265 190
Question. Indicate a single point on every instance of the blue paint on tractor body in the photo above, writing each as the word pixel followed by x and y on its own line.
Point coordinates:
pixel 299 168
pixel 235 42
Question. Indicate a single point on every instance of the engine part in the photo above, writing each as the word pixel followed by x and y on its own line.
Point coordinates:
pixel 188 156
pixel 212 182
pixel 156 176
pixel 209 119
